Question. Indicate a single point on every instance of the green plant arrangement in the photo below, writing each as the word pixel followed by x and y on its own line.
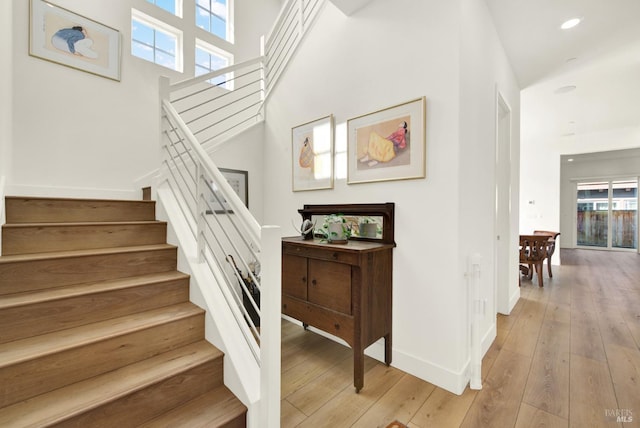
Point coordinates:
pixel 368 227
pixel 335 229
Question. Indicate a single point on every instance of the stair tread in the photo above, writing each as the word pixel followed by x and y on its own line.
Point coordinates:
pixel 27 349
pixel 98 200
pixel 52 294
pixel 81 253
pixel 69 401
pixel 213 409
pixel 82 223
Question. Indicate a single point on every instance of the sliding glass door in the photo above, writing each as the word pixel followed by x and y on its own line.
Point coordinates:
pixel 624 214
pixel 607 214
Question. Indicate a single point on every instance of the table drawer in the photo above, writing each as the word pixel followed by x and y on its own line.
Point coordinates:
pixel 326 253
pixel 335 323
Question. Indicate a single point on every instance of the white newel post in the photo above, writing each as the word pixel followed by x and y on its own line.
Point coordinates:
pixel 270 337
pixel 475 315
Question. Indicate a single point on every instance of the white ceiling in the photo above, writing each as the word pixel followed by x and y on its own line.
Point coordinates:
pixel 600 57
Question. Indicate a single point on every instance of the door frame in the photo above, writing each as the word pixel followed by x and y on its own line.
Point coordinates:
pixel 609 180
pixel 502 185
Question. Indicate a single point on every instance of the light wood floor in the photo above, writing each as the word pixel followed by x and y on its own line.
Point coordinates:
pixel 568 355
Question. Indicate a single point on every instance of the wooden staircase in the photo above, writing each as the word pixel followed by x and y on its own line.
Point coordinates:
pixel 96 327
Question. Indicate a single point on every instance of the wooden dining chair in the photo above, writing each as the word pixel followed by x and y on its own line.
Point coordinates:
pixel 551 247
pixel 533 252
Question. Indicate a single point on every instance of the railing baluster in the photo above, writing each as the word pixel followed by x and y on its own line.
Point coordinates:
pixel 301 17
pixel 201 213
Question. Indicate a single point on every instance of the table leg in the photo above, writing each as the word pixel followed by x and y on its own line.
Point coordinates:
pixel 387 349
pixel 358 369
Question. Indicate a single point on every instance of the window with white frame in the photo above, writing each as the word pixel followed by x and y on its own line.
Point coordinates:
pixel 209 58
pixel 213 16
pixel 155 41
pixel 174 7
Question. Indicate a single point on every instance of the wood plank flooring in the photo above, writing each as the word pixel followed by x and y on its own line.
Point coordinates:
pixel 567 356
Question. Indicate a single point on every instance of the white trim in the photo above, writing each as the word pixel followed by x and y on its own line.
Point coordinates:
pixel 609 180
pixel 73 192
pixel 502 291
pixel 453 381
pixel 177 4
pixel 219 52
pixel 146 180
pixel 163 27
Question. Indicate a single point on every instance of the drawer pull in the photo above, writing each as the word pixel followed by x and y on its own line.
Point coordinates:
pixel 304 279
pixel 335 256
pixel 337 326
pixel 313 282
pixel 284 306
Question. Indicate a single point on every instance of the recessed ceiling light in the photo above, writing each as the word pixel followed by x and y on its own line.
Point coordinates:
pixel 565 89
pixel 570 160
pixel 570 23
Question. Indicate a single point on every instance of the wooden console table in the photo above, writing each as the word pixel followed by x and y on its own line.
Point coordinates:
pixel 343 289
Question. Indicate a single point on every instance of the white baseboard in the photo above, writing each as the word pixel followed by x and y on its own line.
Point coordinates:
pixel 453 381
pixel 73 192
pixel 146 180
pixel 514 299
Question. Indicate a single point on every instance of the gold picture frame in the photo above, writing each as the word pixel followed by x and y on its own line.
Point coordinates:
pixel 312 155
pixel 64 37
pixel 388 144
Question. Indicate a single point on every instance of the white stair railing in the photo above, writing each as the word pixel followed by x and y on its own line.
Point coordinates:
pixel 216 112
pixel 244 257
pixel 228 236
pixel 294 20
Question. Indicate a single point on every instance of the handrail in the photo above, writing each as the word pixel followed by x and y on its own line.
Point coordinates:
pixel 189 173
pixel 229 194
pixel 277 25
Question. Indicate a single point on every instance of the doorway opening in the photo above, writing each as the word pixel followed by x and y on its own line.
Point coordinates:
pixel 607 214
pixel 502 227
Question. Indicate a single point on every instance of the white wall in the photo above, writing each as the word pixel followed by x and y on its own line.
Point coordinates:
pixel 6 90
pixel 76 134
pixel 485 70
pixel 375 58
pixel 6 101
pixel 601 165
